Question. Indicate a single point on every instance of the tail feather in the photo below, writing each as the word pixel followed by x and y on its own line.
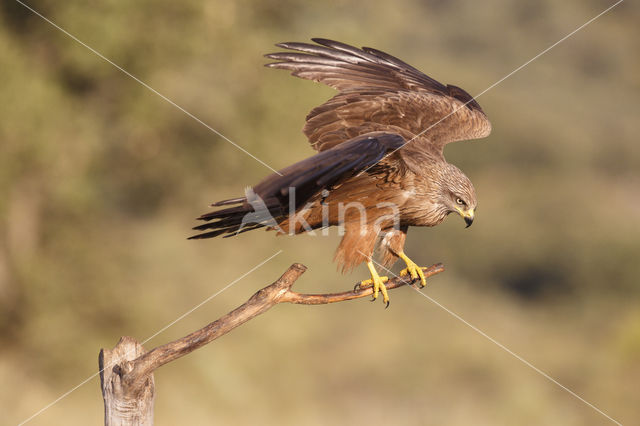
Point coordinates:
pixel 224 213
pixel 210 234
pixel 229 201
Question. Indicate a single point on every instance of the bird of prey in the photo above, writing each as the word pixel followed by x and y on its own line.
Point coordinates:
pixel 380 166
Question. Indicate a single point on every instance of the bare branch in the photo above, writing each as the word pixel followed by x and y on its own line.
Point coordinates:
pixel 133 374
pixel 259 303
pixel 321 299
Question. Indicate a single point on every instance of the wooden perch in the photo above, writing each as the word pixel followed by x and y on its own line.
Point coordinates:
pixel 126 372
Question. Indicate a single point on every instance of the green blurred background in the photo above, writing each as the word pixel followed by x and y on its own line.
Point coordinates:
pixel 100 180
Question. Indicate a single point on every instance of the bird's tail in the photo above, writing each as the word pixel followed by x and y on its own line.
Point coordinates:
pixel 248 213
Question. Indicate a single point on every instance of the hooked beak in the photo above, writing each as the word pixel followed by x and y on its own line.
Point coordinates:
pixel 468 216
pixel 468 220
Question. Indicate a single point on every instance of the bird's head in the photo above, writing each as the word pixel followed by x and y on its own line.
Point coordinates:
pixel 458 194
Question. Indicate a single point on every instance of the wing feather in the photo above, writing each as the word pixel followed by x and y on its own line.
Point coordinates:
pixel 325 170
pixel 379 92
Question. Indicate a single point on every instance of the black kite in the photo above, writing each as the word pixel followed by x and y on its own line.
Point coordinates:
pixel 380 146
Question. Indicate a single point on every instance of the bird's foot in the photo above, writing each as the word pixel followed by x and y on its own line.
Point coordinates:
pixel 368 283
pixel 378 284
pixel 413 270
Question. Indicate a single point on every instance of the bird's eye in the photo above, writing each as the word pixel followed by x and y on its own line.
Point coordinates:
pixel 460 202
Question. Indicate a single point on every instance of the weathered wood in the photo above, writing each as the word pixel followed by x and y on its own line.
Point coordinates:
pixel 127 402
pixel 127 370
pixel 259 303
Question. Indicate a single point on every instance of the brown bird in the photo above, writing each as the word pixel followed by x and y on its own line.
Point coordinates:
pixel 380 166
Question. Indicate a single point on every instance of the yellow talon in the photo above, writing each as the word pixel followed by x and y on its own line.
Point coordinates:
pixel 413 270
pixel 369 282
pixel 377 282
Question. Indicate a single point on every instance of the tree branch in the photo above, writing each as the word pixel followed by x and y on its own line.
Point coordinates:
pixel 132 374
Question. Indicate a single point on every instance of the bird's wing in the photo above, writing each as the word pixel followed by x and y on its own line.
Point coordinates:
pixel 328 168
pixel 294 186
pixel 379 92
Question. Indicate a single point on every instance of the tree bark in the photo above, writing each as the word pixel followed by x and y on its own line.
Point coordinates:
pixel 126 402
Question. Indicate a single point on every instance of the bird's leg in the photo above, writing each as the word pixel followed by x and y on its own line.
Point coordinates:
pixel 412 269
pixel 378 283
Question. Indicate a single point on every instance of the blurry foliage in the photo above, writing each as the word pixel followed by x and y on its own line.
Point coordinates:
pixel 100 178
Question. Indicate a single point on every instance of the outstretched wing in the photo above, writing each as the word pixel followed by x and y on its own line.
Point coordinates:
pixel 379 92
pixel 272 200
